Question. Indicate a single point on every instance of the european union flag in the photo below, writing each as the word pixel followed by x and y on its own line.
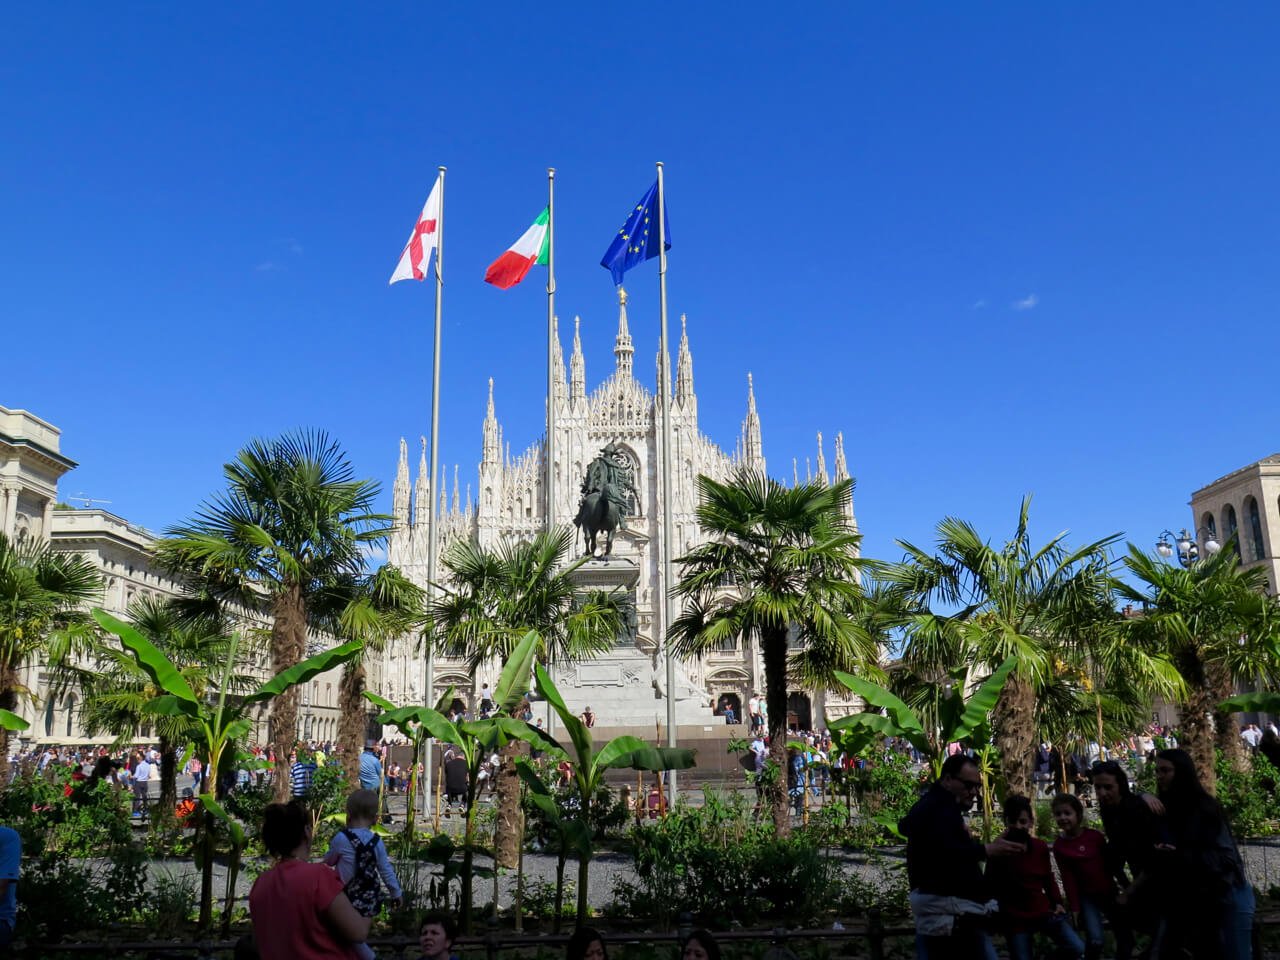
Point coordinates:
pixel 631 246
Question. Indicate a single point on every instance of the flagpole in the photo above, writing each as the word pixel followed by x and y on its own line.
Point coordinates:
pixel 667 535
pixel 432 521
pixel 551 371
pixel 551 333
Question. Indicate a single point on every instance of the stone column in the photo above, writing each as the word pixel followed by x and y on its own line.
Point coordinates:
pixel 8 510
pixel 46 523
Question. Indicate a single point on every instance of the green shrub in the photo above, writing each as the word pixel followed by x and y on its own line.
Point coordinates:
pixel 59 815
pixel 720 862
pixel 172 899
pixel 1250 799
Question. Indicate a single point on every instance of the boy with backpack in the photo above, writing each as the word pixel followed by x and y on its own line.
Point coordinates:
pixel 361 860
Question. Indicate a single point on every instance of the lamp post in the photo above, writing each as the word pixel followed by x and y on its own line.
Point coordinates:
pixel 1185 545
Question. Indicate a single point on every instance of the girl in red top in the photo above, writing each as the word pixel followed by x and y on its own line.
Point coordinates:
pixel 1027 891
pixel 1091 891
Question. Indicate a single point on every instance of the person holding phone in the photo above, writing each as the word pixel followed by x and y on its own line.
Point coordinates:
pixel 1027 890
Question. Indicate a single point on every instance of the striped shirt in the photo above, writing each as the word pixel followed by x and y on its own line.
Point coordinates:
pixel 300 777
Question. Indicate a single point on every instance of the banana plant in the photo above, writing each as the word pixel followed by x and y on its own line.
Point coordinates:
pixel 476 739
pixel 218 726
pixel 625 752
pixel 417 735
pixel 573 833
pixel 958 719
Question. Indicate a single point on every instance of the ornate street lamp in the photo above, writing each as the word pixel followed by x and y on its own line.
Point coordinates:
pixel 1187 549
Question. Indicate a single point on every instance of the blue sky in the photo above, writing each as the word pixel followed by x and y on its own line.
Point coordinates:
pixel 1005 248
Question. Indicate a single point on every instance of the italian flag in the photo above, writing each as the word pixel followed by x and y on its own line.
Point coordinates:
pixel 510 268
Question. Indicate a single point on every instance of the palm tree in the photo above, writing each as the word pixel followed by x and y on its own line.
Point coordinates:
pixel 776 558
pixel 978 604
pixel 372 609
pixel 117 690
pixel 292 521
pixel 1215 622
pixel 491 599
pixel 44 596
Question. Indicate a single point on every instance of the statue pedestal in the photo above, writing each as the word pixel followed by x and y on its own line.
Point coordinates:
pixel 623 686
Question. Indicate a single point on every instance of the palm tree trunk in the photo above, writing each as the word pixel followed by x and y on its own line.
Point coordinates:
pixel 1013 724
pixel 351 721
pixel 1195 721
pixel 288 646
pixel 508 830
pixel 8 701
pixel 584 859
pixel 774 651
pixel 1226 726
pixel 168 776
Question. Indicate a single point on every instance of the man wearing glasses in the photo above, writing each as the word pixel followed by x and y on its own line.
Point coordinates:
pixel 948 895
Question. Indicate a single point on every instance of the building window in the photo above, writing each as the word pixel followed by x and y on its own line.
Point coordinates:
pixel 1255 529
pixel 1231 527
pixel 1208 526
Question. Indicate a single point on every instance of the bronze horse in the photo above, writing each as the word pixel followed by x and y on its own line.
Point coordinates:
pixel 599 512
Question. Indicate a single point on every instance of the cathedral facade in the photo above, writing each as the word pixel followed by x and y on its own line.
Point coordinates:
pixel 627 686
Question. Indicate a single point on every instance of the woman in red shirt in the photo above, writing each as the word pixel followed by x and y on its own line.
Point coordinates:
pixel 298 909
pixel 1090 888
pixel 1025 887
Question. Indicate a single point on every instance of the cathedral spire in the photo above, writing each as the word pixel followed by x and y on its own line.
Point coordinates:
pixel 752 447
pixel 842 467
pixel 469 507
pixel 842 473
pixel 684 367
pixel 822 477
pixel 444 501
pixel 557 357
pixel 400 494
pixel 795 472
pixel 456 504
pixel 422 490
pixel 577 366
pixel 622 349
pixel 491 452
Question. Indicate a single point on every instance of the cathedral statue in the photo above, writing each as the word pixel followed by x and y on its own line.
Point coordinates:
pixel 608 498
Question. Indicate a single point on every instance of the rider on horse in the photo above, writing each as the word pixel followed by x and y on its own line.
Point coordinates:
pixel 610 474
pixel 608 496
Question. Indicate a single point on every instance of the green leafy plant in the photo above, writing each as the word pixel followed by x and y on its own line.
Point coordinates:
pixel 591 764
pixel 720 862
pixel 476 740
pixel 217 725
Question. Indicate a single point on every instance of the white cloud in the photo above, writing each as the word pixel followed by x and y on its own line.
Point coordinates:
pixel 978 305
pixel 1026 303
pixel 267 266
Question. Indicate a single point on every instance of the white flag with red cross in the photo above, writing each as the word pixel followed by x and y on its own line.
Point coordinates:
pixel 426 234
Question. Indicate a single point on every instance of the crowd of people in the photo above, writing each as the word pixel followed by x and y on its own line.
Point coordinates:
pixel 1163 868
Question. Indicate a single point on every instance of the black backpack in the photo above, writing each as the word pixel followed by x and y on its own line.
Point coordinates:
pixel 364 889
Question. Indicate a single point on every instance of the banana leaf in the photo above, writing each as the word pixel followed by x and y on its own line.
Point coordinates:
pixel 304 671
pixel 154 663
pixel 514 679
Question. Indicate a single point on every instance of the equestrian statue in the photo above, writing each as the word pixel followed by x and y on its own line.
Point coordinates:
pixel 608 498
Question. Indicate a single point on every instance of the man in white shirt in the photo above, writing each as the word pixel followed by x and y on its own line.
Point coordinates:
pixel 1251 735
pixel 141 786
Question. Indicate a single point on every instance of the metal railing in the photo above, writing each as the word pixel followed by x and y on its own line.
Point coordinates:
pixel 872 934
